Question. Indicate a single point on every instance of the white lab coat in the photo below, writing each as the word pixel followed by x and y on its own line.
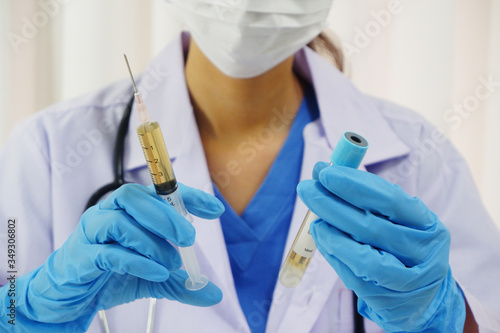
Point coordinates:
pixel 55 160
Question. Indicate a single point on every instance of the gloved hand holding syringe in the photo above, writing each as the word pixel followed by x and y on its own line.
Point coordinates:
pixel 158 160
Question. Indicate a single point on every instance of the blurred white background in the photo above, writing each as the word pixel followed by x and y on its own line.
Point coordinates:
pixel 431 56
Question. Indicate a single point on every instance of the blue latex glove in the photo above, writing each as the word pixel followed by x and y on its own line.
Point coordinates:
pixel 117 254
pixel 387 247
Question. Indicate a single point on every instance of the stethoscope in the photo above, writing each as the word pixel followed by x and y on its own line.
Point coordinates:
pixel 117 158
pixel 118 181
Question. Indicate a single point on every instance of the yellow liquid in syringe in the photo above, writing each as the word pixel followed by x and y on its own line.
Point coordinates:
pixel 156 154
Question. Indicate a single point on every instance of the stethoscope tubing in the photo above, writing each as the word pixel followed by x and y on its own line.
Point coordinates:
pixel 118 153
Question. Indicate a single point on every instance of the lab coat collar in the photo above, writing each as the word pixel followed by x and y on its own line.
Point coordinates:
pixel 344 108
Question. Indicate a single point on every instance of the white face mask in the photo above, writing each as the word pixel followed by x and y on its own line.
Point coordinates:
pixel 246 38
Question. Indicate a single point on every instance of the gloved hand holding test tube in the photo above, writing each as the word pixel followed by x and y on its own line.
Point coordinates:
pixel 162 174
pixel 349 152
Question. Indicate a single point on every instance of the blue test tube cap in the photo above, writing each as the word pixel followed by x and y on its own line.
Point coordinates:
pixel 350 150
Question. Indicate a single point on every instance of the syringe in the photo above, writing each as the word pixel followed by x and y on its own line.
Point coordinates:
pixel 349 152
pixel 160 168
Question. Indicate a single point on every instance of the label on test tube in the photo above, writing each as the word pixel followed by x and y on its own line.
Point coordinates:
pixel 305 245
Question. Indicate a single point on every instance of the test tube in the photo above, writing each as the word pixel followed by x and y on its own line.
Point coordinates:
pixel 349 152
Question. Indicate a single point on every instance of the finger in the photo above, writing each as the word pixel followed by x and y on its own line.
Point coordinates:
pixel 151 212
pixel 372 193
pixel 317 169
pixel 119 227
pixel 370 264
pixel 174 289
pixel 200 203
pixel 117 259
pixel 410 246
pixel 372 299
pixel 350 280
pixel 132 288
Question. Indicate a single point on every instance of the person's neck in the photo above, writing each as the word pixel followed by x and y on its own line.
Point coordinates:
pixel 227 107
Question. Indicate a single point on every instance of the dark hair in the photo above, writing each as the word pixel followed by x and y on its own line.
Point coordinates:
pixel 326 45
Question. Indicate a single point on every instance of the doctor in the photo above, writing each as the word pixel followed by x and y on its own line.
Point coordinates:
pixel 247 110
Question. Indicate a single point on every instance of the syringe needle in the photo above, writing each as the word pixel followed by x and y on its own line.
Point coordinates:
pixel 141 107
pixel 131 75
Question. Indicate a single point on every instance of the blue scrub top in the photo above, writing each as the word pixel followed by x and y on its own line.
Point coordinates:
pixel 255 240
